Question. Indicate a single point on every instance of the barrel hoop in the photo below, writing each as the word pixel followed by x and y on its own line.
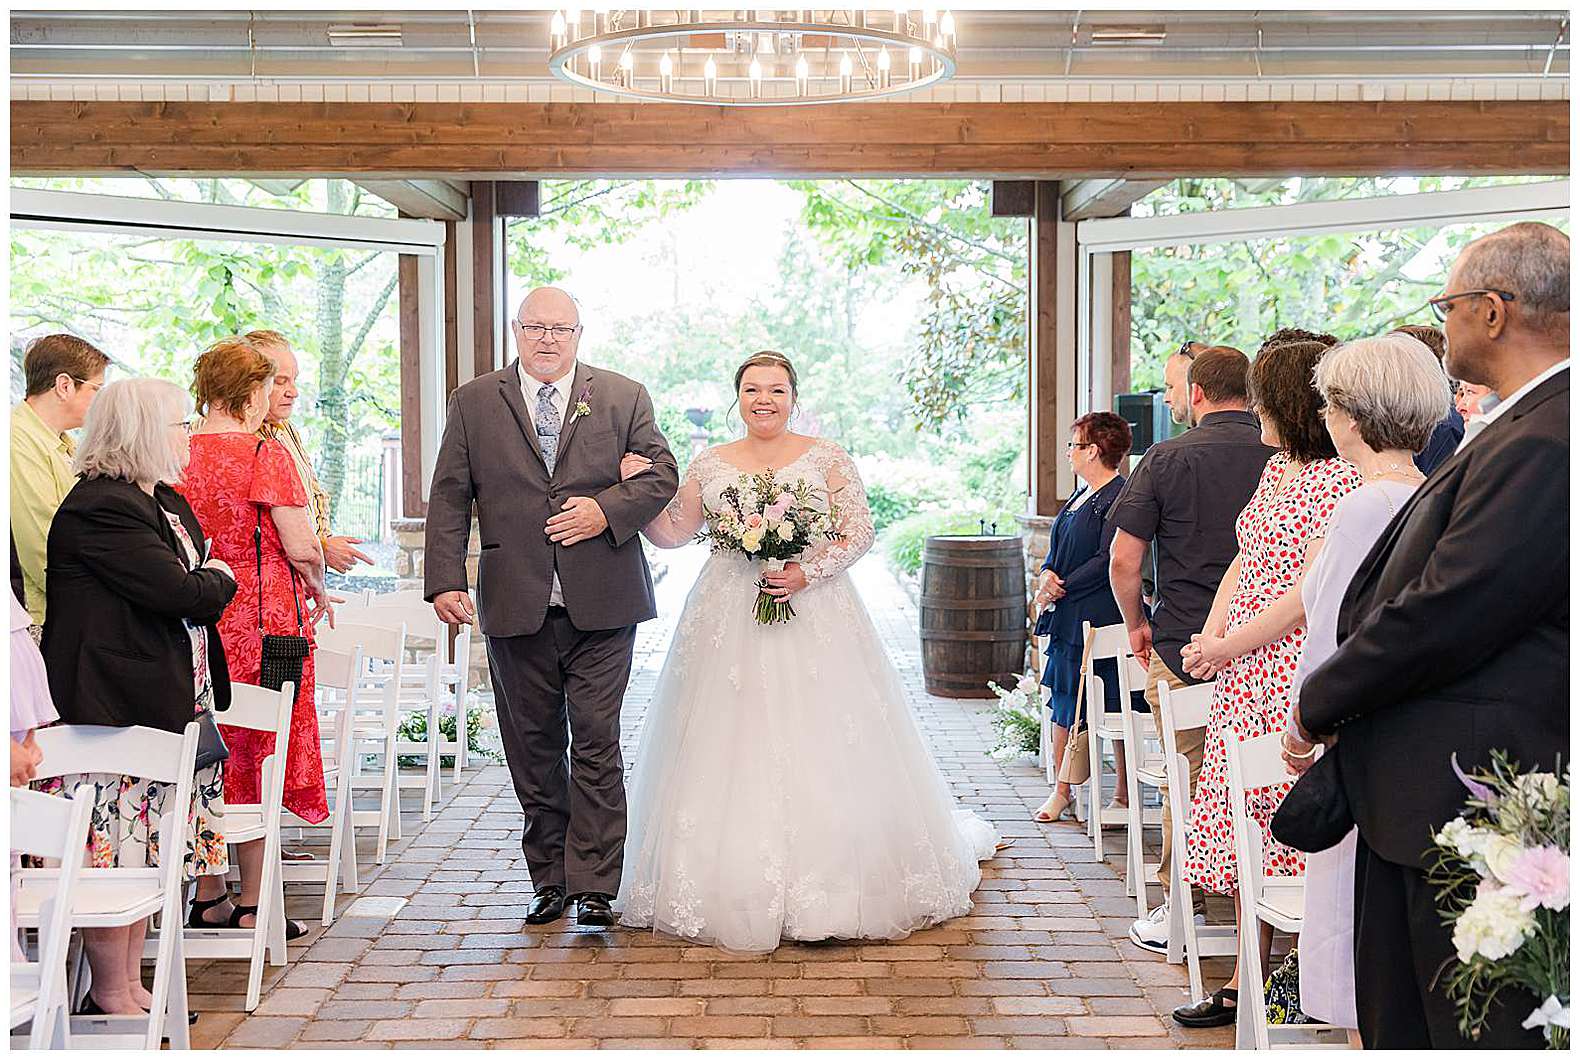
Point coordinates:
pixel 973 603
pixel 972 562
pixel 974 635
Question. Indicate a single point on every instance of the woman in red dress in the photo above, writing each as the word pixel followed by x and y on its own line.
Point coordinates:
pixel 238 483
pixel 1256 629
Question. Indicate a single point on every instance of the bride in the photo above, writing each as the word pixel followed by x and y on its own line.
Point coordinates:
pixel 781 788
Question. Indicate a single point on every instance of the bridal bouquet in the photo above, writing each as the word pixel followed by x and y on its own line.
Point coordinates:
pixel 1502 878
pixel 765 520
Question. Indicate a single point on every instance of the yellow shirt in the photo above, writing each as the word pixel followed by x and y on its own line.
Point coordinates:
pixel 40 479
pixel 317 499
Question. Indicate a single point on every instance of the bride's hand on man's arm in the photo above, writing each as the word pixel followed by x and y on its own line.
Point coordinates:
pixel 782 584
pixel 633 464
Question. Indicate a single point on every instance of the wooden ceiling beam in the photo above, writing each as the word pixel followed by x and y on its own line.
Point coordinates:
pixel 493 141
pixel 1087 199
pixel 438 200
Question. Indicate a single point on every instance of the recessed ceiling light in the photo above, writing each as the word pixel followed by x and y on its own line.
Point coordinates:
pixel 361 35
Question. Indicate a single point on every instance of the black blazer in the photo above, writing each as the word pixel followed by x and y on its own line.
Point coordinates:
pixel 1454 635
pixel 118 589
pixel 1078 552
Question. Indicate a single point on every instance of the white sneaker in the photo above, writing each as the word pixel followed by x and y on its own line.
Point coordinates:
pixel 1152 933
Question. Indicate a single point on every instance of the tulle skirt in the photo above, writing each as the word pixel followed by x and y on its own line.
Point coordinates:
pixel 781 788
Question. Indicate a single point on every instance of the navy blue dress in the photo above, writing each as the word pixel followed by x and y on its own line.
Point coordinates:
pixel 1078 552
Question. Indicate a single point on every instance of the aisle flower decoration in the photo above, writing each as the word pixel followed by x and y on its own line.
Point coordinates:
pixel 1501 870
pixel 1018 717
pixel 773 523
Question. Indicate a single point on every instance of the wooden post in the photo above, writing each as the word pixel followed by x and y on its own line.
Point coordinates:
pixel 452 340
pixel 1046 444
pixel 1120 329
pixel 412 505
pixel 488 270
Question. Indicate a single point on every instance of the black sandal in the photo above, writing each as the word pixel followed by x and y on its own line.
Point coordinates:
pixel 1210 1011
pixel 195 918
pixel 294 929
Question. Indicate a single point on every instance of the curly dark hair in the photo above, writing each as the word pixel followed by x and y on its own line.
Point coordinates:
pixel 1283 391
pixel 1106 430
pixel 1283 335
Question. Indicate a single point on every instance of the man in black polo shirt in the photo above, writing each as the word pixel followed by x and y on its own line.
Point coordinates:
pixel 1184 497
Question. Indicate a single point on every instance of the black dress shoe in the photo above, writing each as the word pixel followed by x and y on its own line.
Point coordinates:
pixel 548 905
pixel 592 910
pixel 1210 1011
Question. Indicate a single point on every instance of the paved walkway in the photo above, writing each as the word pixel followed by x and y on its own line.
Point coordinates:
pixel 1040 963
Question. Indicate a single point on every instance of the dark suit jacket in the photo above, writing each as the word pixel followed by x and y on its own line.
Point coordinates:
pixel 1078 553
pixel 115 645
pixel 490 455
pixel 1454 634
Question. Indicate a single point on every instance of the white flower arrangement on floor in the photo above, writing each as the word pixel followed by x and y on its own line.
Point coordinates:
pixel 1502 876
pixel 1018 717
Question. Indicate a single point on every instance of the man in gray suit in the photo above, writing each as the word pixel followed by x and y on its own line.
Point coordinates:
pixel 562 583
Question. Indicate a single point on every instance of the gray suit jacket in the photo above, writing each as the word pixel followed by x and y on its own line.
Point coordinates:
pixel 490 455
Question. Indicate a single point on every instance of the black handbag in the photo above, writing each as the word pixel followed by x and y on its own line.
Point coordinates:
pixel 211 749
pixel 283 653
pixel 1315 815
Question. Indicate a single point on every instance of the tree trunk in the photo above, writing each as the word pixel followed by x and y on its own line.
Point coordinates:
pixel 333 362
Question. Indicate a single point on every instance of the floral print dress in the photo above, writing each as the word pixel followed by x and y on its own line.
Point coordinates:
pixel 123 831
pixel 1290 509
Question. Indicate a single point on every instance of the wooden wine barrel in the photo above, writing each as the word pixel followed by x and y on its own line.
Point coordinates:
pixel 973 614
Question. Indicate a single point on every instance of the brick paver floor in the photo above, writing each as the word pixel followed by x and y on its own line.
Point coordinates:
pixel 1042 961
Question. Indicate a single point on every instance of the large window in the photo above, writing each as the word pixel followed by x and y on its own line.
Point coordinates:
pixel 152 288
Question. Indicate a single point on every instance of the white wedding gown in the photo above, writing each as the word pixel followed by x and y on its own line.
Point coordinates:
pixel 781 789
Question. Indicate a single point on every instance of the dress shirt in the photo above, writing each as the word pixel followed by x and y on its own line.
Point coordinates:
pixel 40 479
pixel 317 500
pixel 562 401
pixel 1481 423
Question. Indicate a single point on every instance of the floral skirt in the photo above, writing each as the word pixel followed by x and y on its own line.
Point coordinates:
pixel 123 831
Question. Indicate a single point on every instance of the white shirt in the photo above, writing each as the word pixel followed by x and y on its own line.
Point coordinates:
pixel 1474 427
pixel 562 401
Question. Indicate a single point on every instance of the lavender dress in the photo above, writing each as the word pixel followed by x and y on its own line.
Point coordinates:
pixel 31 706
pixel 1327 941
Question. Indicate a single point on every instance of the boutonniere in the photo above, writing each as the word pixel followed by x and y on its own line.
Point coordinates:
pixel 582 408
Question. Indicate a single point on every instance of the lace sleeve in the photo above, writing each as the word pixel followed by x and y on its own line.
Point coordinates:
pixel 850 497
pixel 680 520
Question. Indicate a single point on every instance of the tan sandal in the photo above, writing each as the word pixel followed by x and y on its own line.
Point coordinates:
pixel 1050 811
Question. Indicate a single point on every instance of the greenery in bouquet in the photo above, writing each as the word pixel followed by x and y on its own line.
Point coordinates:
pixel 479 721
pixel 1018 717
pixel 766 520
pixel 1501 870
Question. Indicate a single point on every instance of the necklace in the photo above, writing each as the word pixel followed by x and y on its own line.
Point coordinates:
pixel 1402 470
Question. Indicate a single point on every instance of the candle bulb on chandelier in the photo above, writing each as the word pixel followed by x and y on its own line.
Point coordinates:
pixel 710 76
pixel 755 71
pixel 595 62
pixel 929 18
pixel 803 76
pixel 627 68
pixel 573 22
pixel 666 72
pixel 847 71
pixel 884 64
pixel 902 20
pixel 557 31
pixel 946 28
pixel 916 63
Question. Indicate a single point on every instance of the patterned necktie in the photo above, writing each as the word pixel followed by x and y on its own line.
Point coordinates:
pixel 548 422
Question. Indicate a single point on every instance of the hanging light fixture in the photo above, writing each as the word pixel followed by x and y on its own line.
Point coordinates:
pixel 731 58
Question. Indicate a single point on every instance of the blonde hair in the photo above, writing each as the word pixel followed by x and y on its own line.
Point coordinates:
pixel 267 338
pixel 127 433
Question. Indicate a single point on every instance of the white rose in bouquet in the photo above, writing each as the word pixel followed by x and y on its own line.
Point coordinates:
pixel 1493 926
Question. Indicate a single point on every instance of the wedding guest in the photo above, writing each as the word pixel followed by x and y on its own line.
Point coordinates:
pixel 31 706
pixel 249 496
pixel 1183 498
pixel 1074 580
pixel 132 608
pixel 1451 428
pixel 1254 633
pixel 63 374
pixel 1473 401
pixel 1176 389
pixel 1381 401
pixel 340 551
pixel 1453 637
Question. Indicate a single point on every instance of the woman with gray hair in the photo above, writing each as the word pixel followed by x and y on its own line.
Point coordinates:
pixel 1381 399
pixel 132 604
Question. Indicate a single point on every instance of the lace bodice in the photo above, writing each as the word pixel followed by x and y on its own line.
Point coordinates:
pixel 825 466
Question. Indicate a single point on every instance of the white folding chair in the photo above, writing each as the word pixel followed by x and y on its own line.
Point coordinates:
pixel 419 685
pixel 454 665
pixel 260 710
pixel 1108 642
pixel 372 707
pixel 47 826
pixel 1187 708
pixel 1280 901
pixel 335 677
pixel 1145 769
pixel 121 897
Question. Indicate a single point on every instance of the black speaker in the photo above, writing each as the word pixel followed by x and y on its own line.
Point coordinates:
pixel 1148 416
